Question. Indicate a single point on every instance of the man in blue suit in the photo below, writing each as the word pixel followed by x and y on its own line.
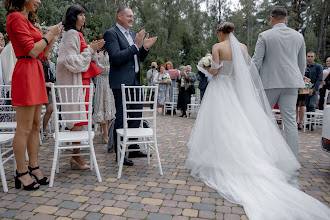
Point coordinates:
pixel 126 49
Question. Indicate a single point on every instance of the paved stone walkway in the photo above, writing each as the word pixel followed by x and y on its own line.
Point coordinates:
pixel 142 193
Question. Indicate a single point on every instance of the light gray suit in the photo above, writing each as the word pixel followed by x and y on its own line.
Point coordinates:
pixel 280 57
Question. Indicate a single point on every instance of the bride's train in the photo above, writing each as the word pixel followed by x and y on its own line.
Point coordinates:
pixel 237 149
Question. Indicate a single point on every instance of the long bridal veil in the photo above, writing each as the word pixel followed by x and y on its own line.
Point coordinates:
pixel 236 148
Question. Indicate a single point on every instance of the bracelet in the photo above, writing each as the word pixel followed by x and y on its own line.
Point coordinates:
pixel 45 39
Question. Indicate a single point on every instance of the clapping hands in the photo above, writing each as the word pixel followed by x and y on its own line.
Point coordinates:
pixel 140 40
pixel 97 44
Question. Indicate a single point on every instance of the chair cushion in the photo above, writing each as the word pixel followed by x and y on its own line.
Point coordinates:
pixel 5 138
pixel 8 125
pixel 73 136
pixel 136 132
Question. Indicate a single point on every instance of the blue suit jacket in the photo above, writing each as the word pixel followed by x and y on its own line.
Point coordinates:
pixel 121 57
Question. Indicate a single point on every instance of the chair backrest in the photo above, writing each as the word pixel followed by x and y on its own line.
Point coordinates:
pixel 137 95
pixel 72 105
pixel 5 101
pixel 326 97
pixel 175 94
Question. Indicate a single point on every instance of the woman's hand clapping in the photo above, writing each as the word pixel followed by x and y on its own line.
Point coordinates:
pixel 97 44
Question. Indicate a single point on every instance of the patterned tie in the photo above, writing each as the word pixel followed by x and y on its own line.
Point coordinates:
pixel 131 42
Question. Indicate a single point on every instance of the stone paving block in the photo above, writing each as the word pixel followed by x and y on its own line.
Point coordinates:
pixel 112 211
pixel 205 207
pixel 207 214
pixel 112 217
pixel 63 212
pixel 94 208
pixel 42 217
pixel 70 205
pixel 21 198
pixel 53 202
pixel 94 216
pixel 170 211
pixel 10 213
pixel 136 206
pixel 135 214
pixel 24 215
pixel 76 192
pixel 151 208
pixel 81 199
pixel 145 194
pixel 43 209
pixel 101 188
pixel 78 214
pixel 180 218
pixel 232 217
pixel 193 199
pixel 168 191
pixel 150 201
pixel 107 195
pixel 155 216
pixel 238 210
pixel 190 212
pixel 127 186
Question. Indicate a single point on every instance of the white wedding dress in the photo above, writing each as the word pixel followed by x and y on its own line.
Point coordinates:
pixel 236 148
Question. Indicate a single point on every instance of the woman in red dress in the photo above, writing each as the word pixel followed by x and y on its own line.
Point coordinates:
pixel 28 86
pixel 75 66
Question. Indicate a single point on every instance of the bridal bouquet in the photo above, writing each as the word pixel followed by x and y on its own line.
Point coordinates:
pixel 205 61
pixel 165 78
pixel 308 86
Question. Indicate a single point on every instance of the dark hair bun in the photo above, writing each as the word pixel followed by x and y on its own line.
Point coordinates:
pixel 226 27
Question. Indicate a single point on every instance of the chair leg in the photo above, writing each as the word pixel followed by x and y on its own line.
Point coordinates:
pixel 157 156
pixel 304 122
pixel 2 173
pixel 148 152
pixel 172 110
pixel 93 157
pixel 52 174
pixel 118 149
pixel 122 156
pixel 58 161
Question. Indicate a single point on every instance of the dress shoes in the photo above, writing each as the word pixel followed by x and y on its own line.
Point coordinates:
pixel 138 154
pixel 127 162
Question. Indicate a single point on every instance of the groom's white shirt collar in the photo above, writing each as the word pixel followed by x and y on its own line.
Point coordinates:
pixel 279 25
pixel 123 30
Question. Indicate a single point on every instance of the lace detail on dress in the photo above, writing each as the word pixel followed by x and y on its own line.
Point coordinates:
pixel 227 68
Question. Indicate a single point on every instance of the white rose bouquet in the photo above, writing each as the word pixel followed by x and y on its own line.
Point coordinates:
pixel 205 61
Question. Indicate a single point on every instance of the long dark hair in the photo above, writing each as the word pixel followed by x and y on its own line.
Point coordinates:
pixel 18 5
pixel 71 18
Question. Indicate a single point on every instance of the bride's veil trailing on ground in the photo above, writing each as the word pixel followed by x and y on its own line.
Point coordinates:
pixel 236 147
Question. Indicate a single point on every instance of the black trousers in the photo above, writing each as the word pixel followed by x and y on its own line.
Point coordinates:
pixel 119 113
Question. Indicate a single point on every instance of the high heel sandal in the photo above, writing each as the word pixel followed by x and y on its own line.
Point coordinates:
pixel 18 182
pixel 42 181
pixel 80 167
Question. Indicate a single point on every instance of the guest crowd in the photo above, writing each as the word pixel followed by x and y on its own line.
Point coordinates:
pixel 110 61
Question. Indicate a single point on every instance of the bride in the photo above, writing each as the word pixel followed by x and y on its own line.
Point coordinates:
pixel 235 146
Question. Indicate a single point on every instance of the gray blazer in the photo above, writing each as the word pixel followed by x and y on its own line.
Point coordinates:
pixel 280 57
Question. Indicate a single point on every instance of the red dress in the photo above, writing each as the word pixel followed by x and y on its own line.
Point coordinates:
pixel 92 72
pixel 28 82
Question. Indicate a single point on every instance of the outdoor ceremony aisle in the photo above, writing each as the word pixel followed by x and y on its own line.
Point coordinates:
pixel 142 193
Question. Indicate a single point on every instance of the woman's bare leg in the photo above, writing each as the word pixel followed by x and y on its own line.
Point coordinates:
pixel 25 119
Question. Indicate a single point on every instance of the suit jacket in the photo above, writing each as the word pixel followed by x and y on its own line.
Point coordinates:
pixel 280 57
pixel 121 57
pixel 202 80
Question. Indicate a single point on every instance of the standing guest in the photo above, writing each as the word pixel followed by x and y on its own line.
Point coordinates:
pixel 184 95
pixel 75 66
pixel 8 61
pixel 150 77
pixel 193 79
pixel 104 107
pixel 49 79
pixel 280 57
pixel 164 81
pixel 28 86
pixel 301 103
pixel 52 65
pixel 202 81
pixel 174 75
pixel 152 73
pixel 126 50
pixel 323 86
pixel 316 76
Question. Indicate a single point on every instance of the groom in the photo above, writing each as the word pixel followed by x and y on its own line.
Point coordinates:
pixel 126 49
pixel 280 57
